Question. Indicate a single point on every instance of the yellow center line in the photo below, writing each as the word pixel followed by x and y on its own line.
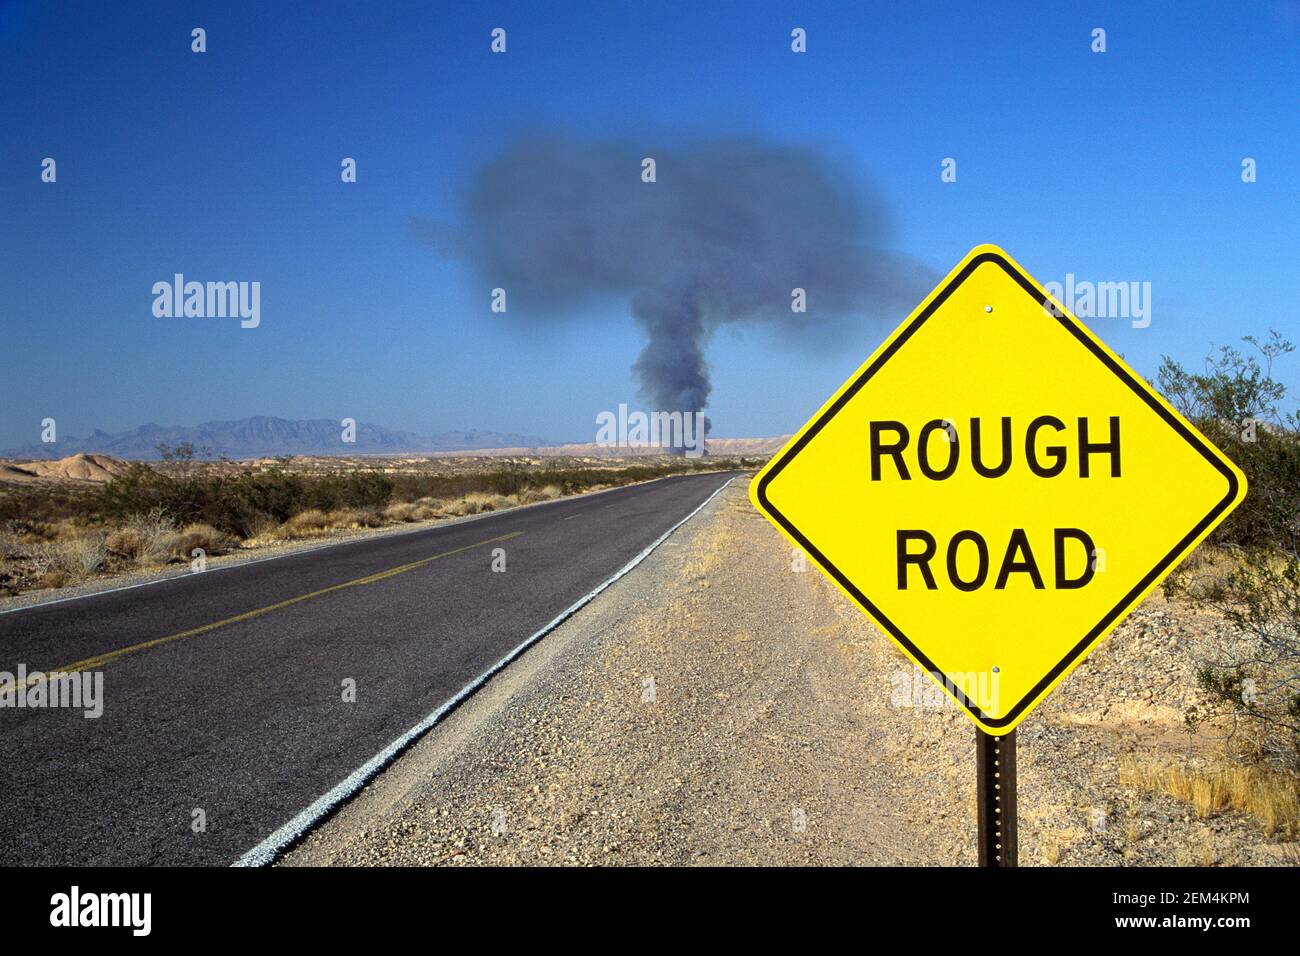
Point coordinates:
pixel 107 658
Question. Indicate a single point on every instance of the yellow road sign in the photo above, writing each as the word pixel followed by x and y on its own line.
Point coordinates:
pixel 996 489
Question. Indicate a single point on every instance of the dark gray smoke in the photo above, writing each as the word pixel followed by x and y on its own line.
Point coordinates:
pixel 729 228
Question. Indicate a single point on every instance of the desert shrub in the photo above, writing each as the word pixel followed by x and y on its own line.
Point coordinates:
pixel 357 518
pixel 545 493
pixel 241 503
pixel 369 518
pixel 402 512
pixel 282 495
pixel 261 527
pixel 142 489
pixel 1234 400
pixel 421 509
pixel 306 523
pixel 81 556
pixel 510 479
pixel 69 559
pixel 11 544
pixel 365 489
pixel 24 506
pixel 345 518
pixel 146 539
pixel 202 536
pixel 189 496
pixel 124 543
pixel 477 502
pixel 276 493
pixel 1253 676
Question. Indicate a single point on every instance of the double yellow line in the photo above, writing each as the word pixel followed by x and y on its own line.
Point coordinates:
pixel 109 657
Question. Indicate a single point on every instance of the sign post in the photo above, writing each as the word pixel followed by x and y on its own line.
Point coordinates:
pixel 993 471
pixel 995 798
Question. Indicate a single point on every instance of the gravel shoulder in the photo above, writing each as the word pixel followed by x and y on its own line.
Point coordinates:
pixel 719 706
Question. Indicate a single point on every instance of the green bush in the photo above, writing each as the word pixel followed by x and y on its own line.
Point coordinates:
pixel 1253 675
pixel 24 507
pixel 238 504
pixel 1234 401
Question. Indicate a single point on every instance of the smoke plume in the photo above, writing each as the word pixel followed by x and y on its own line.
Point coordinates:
pixel 725 233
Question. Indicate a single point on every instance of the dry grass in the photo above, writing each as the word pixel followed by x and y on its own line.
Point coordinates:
pixel 548 493
pixel 262 531
pixel 306 524
pixel 147 539
pixel 354 518
pixel 70 559
pixel 427 508
pixel 1269 796
pixel 314 523
pixel 11 544
pixel 477 502
pixel 200 536
pixel 401 512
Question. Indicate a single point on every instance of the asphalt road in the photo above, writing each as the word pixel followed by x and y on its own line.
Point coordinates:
pixel 224 691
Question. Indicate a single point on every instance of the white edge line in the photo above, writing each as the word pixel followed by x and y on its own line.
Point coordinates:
pixel 182 575
pixel 269 849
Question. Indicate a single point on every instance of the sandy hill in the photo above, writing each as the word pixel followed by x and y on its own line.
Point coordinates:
pixel 80 467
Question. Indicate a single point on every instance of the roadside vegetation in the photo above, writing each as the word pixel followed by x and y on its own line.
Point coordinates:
pixel 1248 574
pixel 1267 795
pixel 57 534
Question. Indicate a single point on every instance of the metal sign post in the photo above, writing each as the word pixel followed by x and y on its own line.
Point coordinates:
pixel 995 797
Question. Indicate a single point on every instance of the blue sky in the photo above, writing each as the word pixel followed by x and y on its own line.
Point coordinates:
pixel 225 165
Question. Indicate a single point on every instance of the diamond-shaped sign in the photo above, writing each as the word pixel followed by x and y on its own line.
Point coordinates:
pixel 996 489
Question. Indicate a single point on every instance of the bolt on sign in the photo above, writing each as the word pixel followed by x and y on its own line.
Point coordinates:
pixel 996 489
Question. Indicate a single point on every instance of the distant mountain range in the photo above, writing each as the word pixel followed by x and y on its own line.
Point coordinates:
pixel 263 436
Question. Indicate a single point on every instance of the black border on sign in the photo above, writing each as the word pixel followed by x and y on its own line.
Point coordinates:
pixel 1114 613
